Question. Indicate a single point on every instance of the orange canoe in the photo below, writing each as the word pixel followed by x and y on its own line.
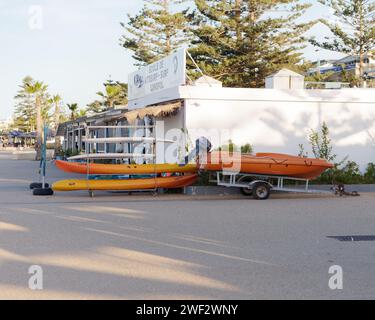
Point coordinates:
pixel 123 185
pixel 268 164
pixel 112 169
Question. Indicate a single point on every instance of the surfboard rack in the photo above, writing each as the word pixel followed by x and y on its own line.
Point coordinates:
pixel 148 138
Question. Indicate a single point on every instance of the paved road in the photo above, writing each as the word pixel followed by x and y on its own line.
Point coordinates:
pixel 144 247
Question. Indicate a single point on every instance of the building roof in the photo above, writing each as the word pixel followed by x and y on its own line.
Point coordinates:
pixel 285 73
pixel 207 81
pixel 352 58
pixel 157 111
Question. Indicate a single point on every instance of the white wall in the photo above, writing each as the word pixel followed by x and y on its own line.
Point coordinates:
pixel 170 129
pixel 279 120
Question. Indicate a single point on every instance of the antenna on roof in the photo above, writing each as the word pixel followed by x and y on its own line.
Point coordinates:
pixel 198 68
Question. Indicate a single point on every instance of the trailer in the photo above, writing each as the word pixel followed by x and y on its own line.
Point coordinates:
pixel 260 186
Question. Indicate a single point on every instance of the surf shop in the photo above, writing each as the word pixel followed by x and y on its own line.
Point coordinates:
pixel 167 113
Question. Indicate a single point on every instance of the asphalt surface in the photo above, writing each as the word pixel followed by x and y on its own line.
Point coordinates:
pixel 116 246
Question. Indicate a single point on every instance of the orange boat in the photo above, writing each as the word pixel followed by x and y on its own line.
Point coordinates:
pixel 276 164
pixel 112 169
pixel 123 185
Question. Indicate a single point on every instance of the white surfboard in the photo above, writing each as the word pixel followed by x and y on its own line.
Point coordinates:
pixel 126 139
pixel 111 156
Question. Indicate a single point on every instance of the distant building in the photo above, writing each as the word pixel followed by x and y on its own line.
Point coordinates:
pixel 349 64
pixel 4 125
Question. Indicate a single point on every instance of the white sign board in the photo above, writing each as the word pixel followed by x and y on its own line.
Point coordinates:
pixel 166 73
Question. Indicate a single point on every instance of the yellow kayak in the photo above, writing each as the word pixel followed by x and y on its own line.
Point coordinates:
pixel 129 184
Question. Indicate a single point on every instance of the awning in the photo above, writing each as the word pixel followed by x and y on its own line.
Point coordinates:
pixel 158 111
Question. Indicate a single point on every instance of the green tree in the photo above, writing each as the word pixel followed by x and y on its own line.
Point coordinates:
pixel 82 113
pixel 155 31
pixel 241 42
pixel 73 108
pixel 354 32
pixel 319 77
pixel 95 107
pixel 115 93
pixel 39 91
pixel 24 117
pixel 56 100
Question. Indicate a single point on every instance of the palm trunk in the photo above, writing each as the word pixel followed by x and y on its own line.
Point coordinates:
pixel 57 122
pixel 39 133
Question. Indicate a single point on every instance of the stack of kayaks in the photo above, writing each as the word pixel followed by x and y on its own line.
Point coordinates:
pixel 185 178
pixel 272 164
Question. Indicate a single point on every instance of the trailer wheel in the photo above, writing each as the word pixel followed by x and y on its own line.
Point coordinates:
pixel 43 192
pixel 247 191
pixel 38 185
pixel 261 191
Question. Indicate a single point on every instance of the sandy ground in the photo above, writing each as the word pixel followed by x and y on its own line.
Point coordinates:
pixel 116 246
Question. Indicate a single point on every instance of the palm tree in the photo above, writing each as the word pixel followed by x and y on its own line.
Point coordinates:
pixel 115 94
pixel 73 107
pixel 82 113
pixel 56 99
pixel 37 89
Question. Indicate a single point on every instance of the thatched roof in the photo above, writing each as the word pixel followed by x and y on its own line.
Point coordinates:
pixel 158 111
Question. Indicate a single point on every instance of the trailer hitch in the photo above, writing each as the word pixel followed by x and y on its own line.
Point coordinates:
pixel 340 191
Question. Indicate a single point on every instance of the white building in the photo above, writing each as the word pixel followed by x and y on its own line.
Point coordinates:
pixel 271 120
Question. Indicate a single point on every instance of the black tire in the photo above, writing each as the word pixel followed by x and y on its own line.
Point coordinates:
pixel 247 191
pixel 43 192
pixel 38 185
pixel 261 191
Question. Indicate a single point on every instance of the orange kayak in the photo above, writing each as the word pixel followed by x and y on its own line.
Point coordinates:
pixel 277 164
pixel 112 169
pixel 268 164
pixel 123 185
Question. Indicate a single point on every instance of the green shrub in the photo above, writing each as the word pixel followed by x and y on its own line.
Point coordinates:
pixel 369 176
pixel 321 144
pixel 344 171
pixel 231 147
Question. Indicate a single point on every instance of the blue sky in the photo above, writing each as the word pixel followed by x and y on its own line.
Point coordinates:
pixel 77 48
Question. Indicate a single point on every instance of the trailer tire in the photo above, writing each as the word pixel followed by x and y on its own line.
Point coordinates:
pixel 247 191
pixel 261 191
pixel 43 192
pixel 37 185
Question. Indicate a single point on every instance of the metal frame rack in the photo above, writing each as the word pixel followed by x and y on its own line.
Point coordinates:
pixel 89 140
